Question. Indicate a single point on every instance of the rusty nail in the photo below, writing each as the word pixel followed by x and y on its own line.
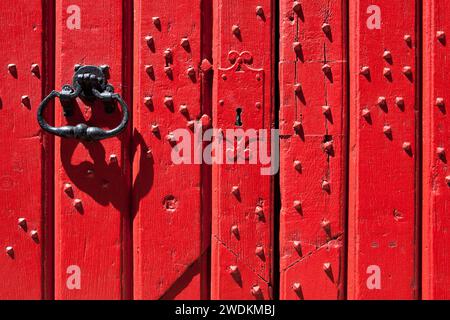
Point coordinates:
pixel 325 185
pixel 326 68
pixel 440 102
pixel 387 72
pixel 365 113
pixel 326 28
pixel 10 251
pixel 297 7
pixel 440 35
pixel 148 101
pixel 35 69
pixel 259 11
pixel 365 70
pixel 168 101
pixel 155 128
pixel 22 222
pixel 236 30
pixel 387 55
pixel 113 158
pixel 297 205
pixel 297 165
pixel 235 190
pixel 387 130
pixel 185 43
pixel 407 146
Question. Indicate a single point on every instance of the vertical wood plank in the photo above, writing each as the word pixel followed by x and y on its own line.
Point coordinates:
pixel 170 221
pixel 436 137
pixel 26 155
pixel 382 263
pixel 242 217
pixel 92 253
pixel 313 148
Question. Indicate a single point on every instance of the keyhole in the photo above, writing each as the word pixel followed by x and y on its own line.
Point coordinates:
pixel 238 117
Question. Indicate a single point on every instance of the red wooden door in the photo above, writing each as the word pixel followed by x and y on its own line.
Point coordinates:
pixel 170 209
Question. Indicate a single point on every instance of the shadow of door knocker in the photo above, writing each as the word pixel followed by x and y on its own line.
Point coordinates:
pixel 90 83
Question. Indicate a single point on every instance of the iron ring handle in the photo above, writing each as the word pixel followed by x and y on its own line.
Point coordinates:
pixel 82 131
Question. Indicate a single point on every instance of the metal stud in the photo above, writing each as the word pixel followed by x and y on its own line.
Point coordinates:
pixel 156 22
pixel 447 180
pixel 297 46
pixel 34 235
pixel 183 109
pixel 381 101
pixel 365 70
pixel 170 137
pixel 326 28
pixel 168 101
pixel 259 251
pixel 296 287
pixel 256 290
pixel 9 251
pixel 149 69
pixel 297 126
pixel 25 100
pixel 190 124
pixel 233 269
pixel 35 69
pixel 22 222
pixel 387 72
pixel 155 128
pixel 298 88
pixel 191 72
pixel 326 68
pixel 326 110
pixel 407 71
pixel 235 231
pixel 387 55
pixel 259 211
pixel 440 35
pixel 12 68
pixel 113 158
pixel 440 102
pixel 168 71
pixel 328 147
pixel 259 11
pixel 407 146
pixel 236 30
pixel 235 190
pixel 297 245
pixel 150 41
pixel 408 39
pixel 387 130
pixel 326 186
pixel 77 203
pixel 148 101
pixel 400 102
pixel 297 165
pixel 168 54
pixel 298 205
pixel 297 7
pixel 440 151
pixel 185 43
pixel 365 113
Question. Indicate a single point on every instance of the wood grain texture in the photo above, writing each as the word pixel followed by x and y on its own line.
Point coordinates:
pixel 96 235
pixel 313 149
pixel 170 206
pixel 242 222
pixel 436 137
pixel 383 151
pixel 26 155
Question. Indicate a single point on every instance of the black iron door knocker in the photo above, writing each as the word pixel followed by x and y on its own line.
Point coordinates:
pixel 90 83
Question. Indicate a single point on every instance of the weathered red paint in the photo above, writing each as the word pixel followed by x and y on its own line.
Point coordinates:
pixel 383 151
pixel 242 222
pixel 95 235
pixel 170 245
pixel 26 155
pixel 436 154
pixel 312 149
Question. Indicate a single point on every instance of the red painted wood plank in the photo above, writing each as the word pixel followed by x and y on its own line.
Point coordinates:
pixel 92 253
pixel 313 148
pixel 170 225
pixel 382 263
pixel 436 137
pixel 26 165
pixel 242 216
